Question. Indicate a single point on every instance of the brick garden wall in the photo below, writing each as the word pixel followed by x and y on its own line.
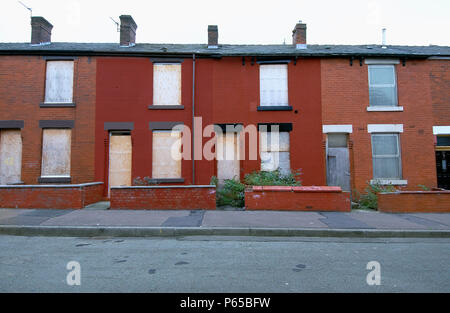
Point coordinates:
pixel 414 201
pixel 50 196
pixel 164 197
pixel 297 198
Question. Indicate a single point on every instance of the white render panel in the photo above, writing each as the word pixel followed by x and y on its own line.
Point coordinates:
pixel 59 82
pixel 166 84
pixel 441 130
pixel 344 128
pixel 385 128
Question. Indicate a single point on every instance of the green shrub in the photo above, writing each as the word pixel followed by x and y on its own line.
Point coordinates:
pixel 231 193
pixel 274 178
pixel 369 200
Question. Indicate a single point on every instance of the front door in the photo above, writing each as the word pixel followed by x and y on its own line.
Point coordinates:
pixel 119 160
pixel 227 156
pixel 442 170
pixel 338 164
pixel 10 156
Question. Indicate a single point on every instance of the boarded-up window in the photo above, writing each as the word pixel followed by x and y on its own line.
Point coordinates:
pixel 166 161
pixel 274 151
pixel 56 152
pixel 227 154
pixel 166 84
pixel 59 82
pixel 273 84
pixel 382 85
pixel 120 153
pixel 386 156
pixel 10 156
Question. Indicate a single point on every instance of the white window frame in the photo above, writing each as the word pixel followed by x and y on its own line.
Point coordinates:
pixel 384 107
pixel 398 155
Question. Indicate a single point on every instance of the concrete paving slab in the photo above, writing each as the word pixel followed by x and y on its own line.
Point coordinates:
pixel 8 213
pixel 442 218
pixel 341 220
pixel 262 219
pixel 114 218
pixel 102 205
pixel 385 221
pixel 194 219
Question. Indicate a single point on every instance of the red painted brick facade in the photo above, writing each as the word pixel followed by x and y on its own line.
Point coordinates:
pixel 410 202
pixel 164 198
pixel 46 197
pixel 319 198
pixel 22 87
pixel 345 98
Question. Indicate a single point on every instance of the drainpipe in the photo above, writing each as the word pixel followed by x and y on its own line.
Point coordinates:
pixel 193 115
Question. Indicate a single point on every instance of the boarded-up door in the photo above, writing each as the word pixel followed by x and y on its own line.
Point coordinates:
pixel 338 165
pixel 10 156
pixel 120 160
pixel 227 156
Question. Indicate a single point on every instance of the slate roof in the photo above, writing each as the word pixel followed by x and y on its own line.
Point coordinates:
pixel 224 50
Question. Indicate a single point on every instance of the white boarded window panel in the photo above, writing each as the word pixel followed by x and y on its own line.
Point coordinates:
pixel 56 152
pixel 273 79
pixel 227 149
pixel 382 85
pixel 10 156
pixel 166 161
pixel 59 82
pixel 120 154
pixel 166 84
pixel 386 156
pixel 274 151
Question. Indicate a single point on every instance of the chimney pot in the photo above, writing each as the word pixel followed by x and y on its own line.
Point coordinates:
pixel 127 31
pixel 299 35
pixel 213 37
pixel 41 30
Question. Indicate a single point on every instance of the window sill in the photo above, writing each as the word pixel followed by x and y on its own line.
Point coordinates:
pixel 389 181
pixel 385 109
pixel 57 105
pixel 166 180
pixel 166 107
pixel 275 108
pixel 56 179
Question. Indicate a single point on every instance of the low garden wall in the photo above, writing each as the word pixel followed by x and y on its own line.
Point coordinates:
pixel 414 201
pixel 189 197
pixel 50 196
pixel 290 198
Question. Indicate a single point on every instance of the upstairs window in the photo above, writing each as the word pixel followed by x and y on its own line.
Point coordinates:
pixel 59 82
pixel 167 84
pixel 273 85
pixel 382 85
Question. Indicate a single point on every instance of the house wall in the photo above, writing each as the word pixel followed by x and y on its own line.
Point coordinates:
pixel 226 91
pixel 22 89
pixel 345 98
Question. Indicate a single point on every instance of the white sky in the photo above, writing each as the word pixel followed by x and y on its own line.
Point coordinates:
pixel 408 22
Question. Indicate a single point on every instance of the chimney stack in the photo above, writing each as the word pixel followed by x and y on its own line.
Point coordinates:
pixel 213 37
pixel 127 31
pixel 299 36
pixel 41 30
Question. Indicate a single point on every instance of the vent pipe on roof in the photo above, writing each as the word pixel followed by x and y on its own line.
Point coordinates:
pixel 383 38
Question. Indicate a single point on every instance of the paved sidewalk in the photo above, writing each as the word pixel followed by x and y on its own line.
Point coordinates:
pixel 97 221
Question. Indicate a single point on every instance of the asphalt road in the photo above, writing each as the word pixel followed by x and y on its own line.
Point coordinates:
pixel 223 264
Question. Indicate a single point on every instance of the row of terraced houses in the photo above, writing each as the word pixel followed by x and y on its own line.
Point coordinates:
pixel 98 115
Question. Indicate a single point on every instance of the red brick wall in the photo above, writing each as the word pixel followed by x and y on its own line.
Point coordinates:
pixel 420 201
pixel 46 197
pixel 345 97
pixel 22 88
pixel 440 91
pixel 297 198
pixel 164 198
